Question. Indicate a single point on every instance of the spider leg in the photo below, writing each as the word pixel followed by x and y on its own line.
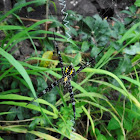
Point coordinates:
pixel 86 64
pixel 81 68
pixel 59 55
pixel 49 88
pixel 72 97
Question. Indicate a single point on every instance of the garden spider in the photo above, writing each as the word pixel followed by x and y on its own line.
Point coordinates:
pixel 67 75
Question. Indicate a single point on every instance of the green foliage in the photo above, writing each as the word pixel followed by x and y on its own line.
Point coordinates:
pixel 137 3
pixel 85 46
pixel 66 123
pixel 77 59
pixel 97 28
pixel 132 15
pixel 107 96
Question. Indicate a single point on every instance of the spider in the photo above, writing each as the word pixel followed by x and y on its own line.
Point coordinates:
pixel 67 75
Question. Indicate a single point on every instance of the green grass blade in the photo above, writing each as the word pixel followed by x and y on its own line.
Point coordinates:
pixel 129 95
pixel 24 32
pixel 105 109
pixel 30 106
pixel 4 113
pixel 130 80
pixel 90 118
pixel 16 8
pixel 5 73
pixel 19 68
pixel 11 27
pixel 10 91
pixel 22 129
pixel 96 95
pixel 128 33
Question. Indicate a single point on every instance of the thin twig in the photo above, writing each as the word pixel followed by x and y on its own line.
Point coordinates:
pixel 47 14
pixel 33 20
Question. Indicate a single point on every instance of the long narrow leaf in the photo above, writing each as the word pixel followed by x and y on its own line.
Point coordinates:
pixel 19 68
pixel 30 106
pixel 128 33
pixel 20 129
pixel 130 80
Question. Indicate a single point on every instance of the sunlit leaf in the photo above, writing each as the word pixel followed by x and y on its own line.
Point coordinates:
pixel 47 55
pixel 137 3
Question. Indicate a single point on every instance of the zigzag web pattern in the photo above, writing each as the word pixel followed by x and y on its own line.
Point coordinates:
pixel 66 22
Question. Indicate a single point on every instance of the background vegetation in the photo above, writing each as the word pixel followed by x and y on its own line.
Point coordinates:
pixel 107 94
